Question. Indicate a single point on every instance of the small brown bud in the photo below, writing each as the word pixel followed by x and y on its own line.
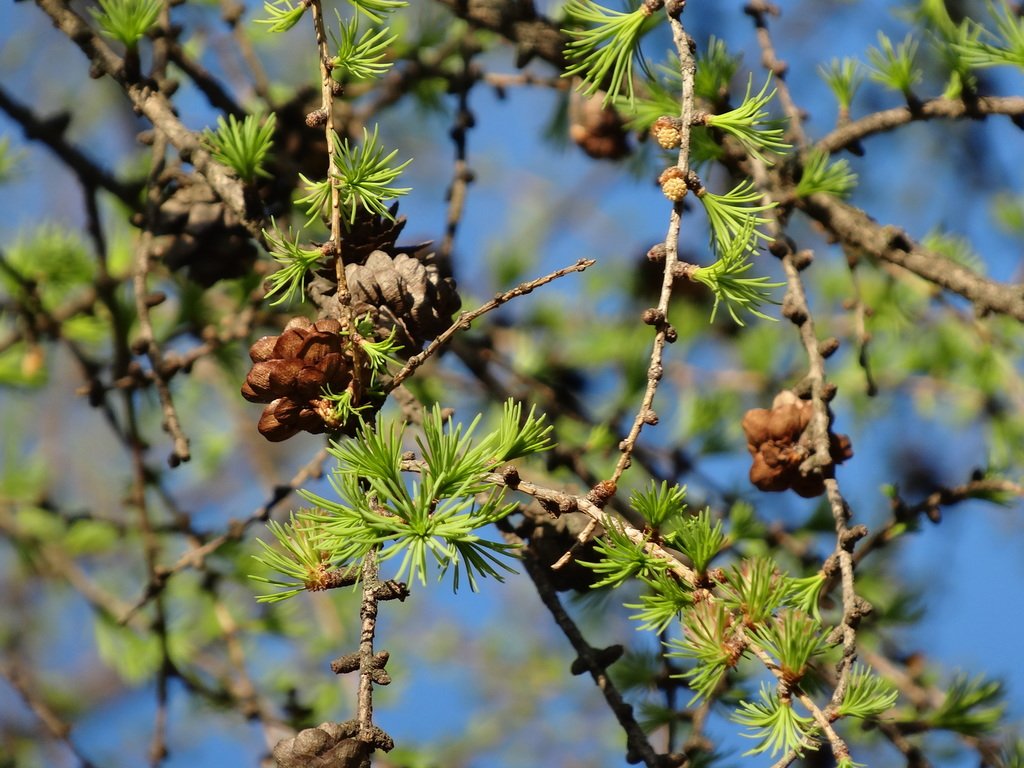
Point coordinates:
pixel 827 347
pixel 656 252
pixel 601 492
pixel 653 316
pixel 802 259
pixel 316 118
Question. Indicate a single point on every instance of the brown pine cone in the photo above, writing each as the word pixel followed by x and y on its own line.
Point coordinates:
pixel 293 371
pixel 405 293
pixel 778 443
pixel 200 234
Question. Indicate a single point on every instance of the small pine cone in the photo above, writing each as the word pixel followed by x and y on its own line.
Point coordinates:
pixel 291 373
pixel 403 293
pixel 370 233
pixel 198 233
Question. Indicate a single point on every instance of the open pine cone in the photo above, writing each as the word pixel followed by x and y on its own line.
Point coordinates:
pixel 777 441
pixel 199 233
pixel 404 293
pixel 291 373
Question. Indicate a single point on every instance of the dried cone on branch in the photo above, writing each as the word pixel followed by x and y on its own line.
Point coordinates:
pixel 200 234
pixel 779 442
pixel 404 293
pixel 293 372
pixel 301 373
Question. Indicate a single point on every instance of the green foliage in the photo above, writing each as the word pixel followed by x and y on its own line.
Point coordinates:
pixel 243 146
pixel 971 707
pixel 750 125
pixel 376 10
pixel 867 695
pixel 302 560
pixel 662 606
pixel 754 588
pixel 819 176
pixel 699 540
pixel 602 52
pixel 794 639
pixel 659 505
pixel 733 217
pixel 805 593
pixel 360 57
pixel 661 97
pixel 282 15
pixel 710 640
pixel 52 265
pixel 8 159
pixel 126 20
pixel 716 68
pixel 893 65
pixel 955 248
pixel 296 262
pixel 134 655
pixel 844 78
pixel 435 518
pixel 364 176
pixel 623 559
pixel 725 277
pixel 775 724
pixel 980 47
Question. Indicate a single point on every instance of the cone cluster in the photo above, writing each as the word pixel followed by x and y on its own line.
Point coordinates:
pixel 779 443
pixel 300 374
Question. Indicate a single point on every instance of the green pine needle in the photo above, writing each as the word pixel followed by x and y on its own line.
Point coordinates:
pixel 893 65
pixel 716 68
pixel 794 639
pixel 622 559
pixel 376 10
pixel 819 176
pixel 659 505
pixel 360 57
pixel 844 78
pixel 365 175
pixel 243 146
pixel 282 15
pixel 432 521
pixel 127 20
pixel 726 277
pixel 980 47
pixel 731 214
pixel 699 540
pixel 750 125
pixel 867 695
pixel 658 609
pixel 604 50
pixel 775 724
pixel 297 557
pixel 754 588
pixel 296 262
pixel 710 640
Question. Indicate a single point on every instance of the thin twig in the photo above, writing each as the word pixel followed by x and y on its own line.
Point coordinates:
pixel 655 369
pixel 952 109
pixel 466 318
pixel 588 657
pixel 147 337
